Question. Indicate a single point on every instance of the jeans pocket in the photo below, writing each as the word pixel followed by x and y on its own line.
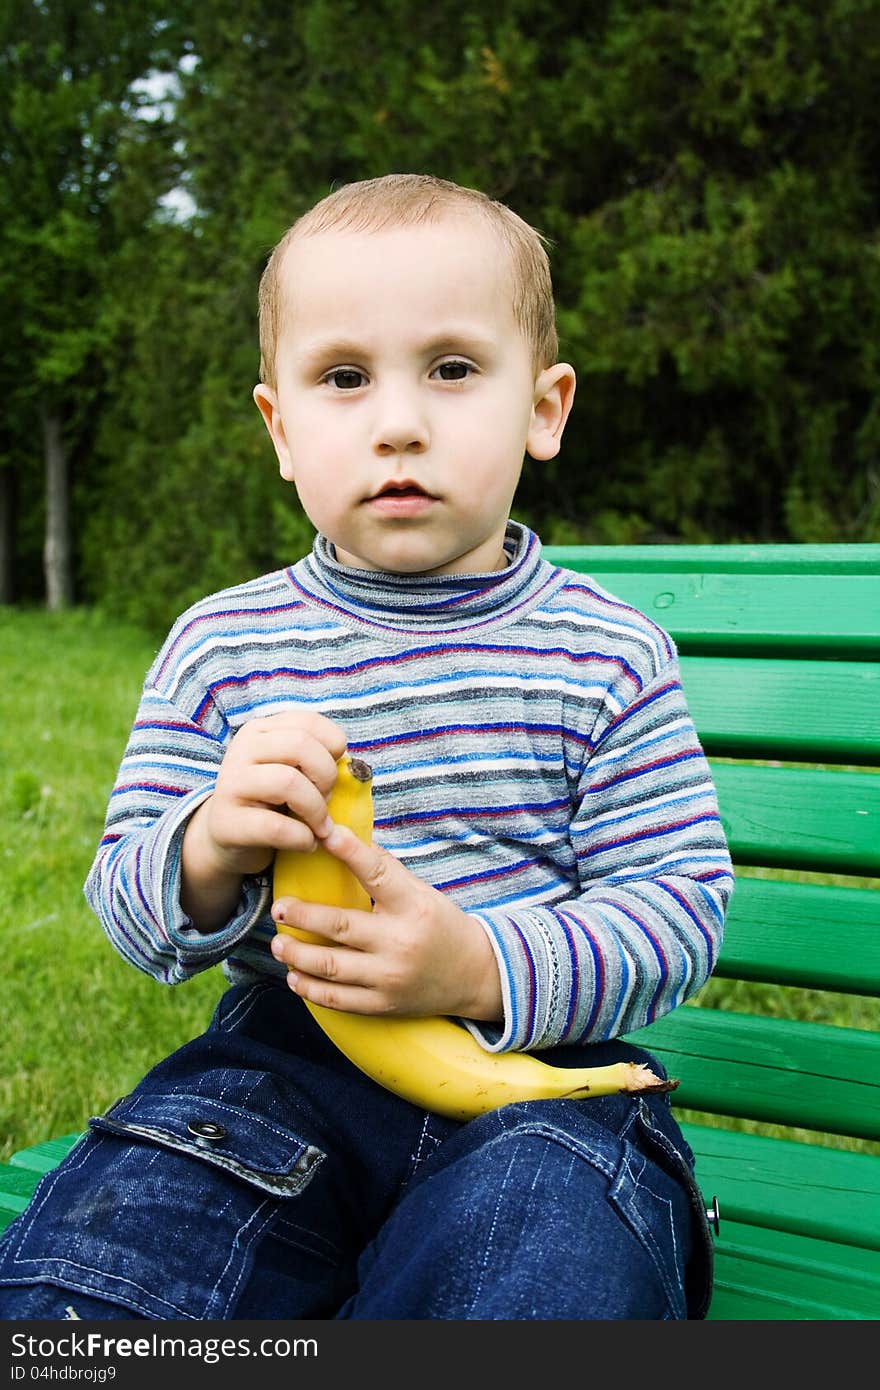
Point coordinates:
pixel 253 1147
pixel 160 1208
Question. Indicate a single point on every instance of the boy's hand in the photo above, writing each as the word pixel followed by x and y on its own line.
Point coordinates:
pixel 416 953
pixel 270 794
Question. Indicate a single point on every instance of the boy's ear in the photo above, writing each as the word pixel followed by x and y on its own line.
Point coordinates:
pixel 267 404
pixel 554 394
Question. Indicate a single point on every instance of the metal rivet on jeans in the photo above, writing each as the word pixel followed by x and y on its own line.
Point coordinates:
pixel 713 1215
pixel 207 1129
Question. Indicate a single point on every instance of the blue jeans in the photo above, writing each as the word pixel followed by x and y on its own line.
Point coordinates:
pixel 256 1173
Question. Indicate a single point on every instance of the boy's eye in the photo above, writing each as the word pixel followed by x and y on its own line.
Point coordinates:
pixel 453 371
pixel 345 378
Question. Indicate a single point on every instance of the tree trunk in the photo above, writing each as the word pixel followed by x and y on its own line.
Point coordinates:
pixel 7 534
pixel 56 549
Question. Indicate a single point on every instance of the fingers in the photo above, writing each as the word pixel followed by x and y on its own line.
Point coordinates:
pixel 347 999
pixel 413 952
pixel 353 960
pixel 335 924
pixel 315 957
pixel 270 794
pixel 351 981
pixel 275 785
pixel 330 968
pixel 285 762
pixel 305 741
pixel 384 877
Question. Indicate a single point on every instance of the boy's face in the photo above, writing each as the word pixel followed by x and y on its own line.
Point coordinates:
pixel 406 395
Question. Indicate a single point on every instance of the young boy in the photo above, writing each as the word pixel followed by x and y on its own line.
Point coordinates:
pixel 548 868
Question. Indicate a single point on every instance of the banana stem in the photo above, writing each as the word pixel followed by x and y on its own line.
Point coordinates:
pixel 631 1077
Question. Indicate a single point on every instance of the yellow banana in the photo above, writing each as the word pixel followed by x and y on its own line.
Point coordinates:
pixel 433 1062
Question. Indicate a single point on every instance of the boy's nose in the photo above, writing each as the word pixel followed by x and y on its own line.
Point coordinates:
pixel 399 427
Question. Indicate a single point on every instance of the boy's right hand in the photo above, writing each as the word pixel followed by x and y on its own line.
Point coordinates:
pixel 271 793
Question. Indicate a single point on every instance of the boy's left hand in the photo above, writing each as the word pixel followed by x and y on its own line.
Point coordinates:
pixel 416 953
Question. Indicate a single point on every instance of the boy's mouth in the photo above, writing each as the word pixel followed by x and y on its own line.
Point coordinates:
pixel 403 497
pixel 400 489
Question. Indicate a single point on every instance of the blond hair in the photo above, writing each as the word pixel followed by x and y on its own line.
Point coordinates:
pixel 408 200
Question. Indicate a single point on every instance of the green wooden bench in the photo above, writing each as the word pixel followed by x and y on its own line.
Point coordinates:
pixel 780 651
pixel 780 654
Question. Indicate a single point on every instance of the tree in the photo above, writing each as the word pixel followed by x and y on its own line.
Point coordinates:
pixel 723 295
pixel 73 156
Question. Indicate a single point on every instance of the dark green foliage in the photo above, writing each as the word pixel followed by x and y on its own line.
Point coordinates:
pixel 79 175
pixel 718 299
pixel 708 175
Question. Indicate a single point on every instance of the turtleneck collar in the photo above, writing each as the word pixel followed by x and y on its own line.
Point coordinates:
pixel 428 603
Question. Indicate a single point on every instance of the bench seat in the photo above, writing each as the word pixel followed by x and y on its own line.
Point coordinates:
pixel 766 1275
pixel 19 1177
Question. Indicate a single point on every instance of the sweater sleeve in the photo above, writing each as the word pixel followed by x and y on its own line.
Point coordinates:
pixel 642 930
pixel 168 769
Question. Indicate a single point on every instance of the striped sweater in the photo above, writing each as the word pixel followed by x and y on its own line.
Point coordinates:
pixel 532 753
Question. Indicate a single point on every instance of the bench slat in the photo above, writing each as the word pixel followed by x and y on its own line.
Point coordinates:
pixel 43 1157
pixel 711 603
pixel 776 1070
pixel 792 559
pixel 795 710
pixel 20 1176
pixel 774 1275
pixel 16 1189
pixel 828 1193
pixel 820 819
pixel 806 934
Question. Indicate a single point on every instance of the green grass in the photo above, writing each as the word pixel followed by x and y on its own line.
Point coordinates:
pixel 81 1026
